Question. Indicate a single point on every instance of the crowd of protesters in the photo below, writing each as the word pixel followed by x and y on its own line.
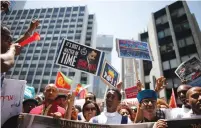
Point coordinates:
pixel 51 103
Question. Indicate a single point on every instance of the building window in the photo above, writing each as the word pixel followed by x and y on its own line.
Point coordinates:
pixel 173 63
pixel 189 40
pixel 181 43
pixel 184 58
pixel 75 9
pixel 166 65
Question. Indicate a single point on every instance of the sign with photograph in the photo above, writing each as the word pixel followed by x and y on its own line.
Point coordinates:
pixel 131 92
pixel 190 70
pixel 133 49
pixel 109 75
pixel 80 57
pixel 12 94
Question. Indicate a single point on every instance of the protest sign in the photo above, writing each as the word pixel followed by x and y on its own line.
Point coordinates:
pixel 109 75
pixel 190 70
pixel 34 121
pixel 12 94
pixel 133 49
pixel 80 57
pixel 131 92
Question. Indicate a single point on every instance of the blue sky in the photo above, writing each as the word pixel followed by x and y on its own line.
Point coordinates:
pixel 122 19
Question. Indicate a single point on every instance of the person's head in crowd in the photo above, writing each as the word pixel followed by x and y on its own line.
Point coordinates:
pixel 50 92
pixel 5 6
pixel 124 110
pixel 90 109
pixel 113 99
pixel 134 112
pixel 161 103
pixel 74 114
pixel 6 39
pixel 147 102
pixel 181 92
pixel 61 100
pixel 40 98
pixel 29 104
pixel 78 107
pixel 194 99
pixel 90 96
pixel 92 56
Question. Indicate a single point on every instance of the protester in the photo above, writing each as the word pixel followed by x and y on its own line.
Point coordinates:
pixel 90 109
pixel 78 108
pixel 124 110
pixel 147 102
pixel 194 99
pixel 39 98
pixel 111 116
pixel 5 6
pixel 49 107
pixel 61 100
pixel 29 104
pixel 134 112
pixel 74 114
pixel 90 96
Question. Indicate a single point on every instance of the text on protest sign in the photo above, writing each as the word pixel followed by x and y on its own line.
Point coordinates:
pixel 80 57
pixel 109 75
pixel 133 49
pixel 190 70
pixel 12 94
pixel 131 92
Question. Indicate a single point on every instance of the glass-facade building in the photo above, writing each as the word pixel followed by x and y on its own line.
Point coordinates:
pixel 36 61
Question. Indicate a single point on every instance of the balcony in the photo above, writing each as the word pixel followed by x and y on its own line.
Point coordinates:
pixel 165 40
pixel 169 73
pixel 184 33
pixel 189 49
pixel 179 19
pixel 168 55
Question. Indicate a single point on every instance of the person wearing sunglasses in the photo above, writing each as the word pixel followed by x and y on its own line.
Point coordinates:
pixel 124 110
pixel 111 116
pixel 148 105
pixel 90 109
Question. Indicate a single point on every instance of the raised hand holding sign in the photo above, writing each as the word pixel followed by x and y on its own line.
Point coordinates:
pixel 160 84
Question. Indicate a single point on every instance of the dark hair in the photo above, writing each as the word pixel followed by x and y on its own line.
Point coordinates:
pixel 61 96
pixel 117 91
pixel 30 100
pixel 78 107
pixel 123 106
pixel 93 95
pixel 91 102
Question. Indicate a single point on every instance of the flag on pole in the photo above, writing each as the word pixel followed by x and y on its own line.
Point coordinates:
pixel 63 81
pixel 81 88
pixel 172 102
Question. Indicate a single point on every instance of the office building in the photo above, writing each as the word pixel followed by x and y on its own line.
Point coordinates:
pixel 36 61
pixel 174 36
pixel 105 44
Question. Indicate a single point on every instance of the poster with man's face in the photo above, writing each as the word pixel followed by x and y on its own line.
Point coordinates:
pixel 80 57
pixel 190 70
pixel 109 75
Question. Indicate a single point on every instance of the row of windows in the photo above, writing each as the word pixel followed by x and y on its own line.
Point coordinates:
pixel 164 33
pixel 185 42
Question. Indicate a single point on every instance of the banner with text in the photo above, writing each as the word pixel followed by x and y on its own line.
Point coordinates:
pixel 133 49
pixel 12 94
pixel 109 75
pixel 80 57
pixel 190 70
pixel 131 92
pixel 34 121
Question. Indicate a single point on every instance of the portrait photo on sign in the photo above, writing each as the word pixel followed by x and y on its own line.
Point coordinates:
pixel 80 57
pixel 133 49
pixel 109 75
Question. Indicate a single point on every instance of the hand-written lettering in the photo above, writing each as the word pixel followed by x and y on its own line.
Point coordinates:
pixel 7 97
pixel 68 59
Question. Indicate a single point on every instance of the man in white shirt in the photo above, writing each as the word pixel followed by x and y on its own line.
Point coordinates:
pixel 111 116
pixel 194 99
pixel 176 113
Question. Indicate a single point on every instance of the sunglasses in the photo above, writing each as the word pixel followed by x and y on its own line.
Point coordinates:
pixel 92 109
pixel 146 102
pixel 134 110
pixel 124 113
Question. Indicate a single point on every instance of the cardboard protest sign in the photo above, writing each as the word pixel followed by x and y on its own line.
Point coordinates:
pixel 190 70
pixel 131 92
pixel 80 57
pixel 109 75
pixel 133 49
pixel 12 94
pixel 35 121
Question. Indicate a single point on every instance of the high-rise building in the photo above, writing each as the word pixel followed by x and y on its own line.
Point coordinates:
pixel 36 61
pixel 17 4
pixel 105 44
pixel 174 36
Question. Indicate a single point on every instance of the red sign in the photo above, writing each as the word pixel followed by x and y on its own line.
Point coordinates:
pixel 131 92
